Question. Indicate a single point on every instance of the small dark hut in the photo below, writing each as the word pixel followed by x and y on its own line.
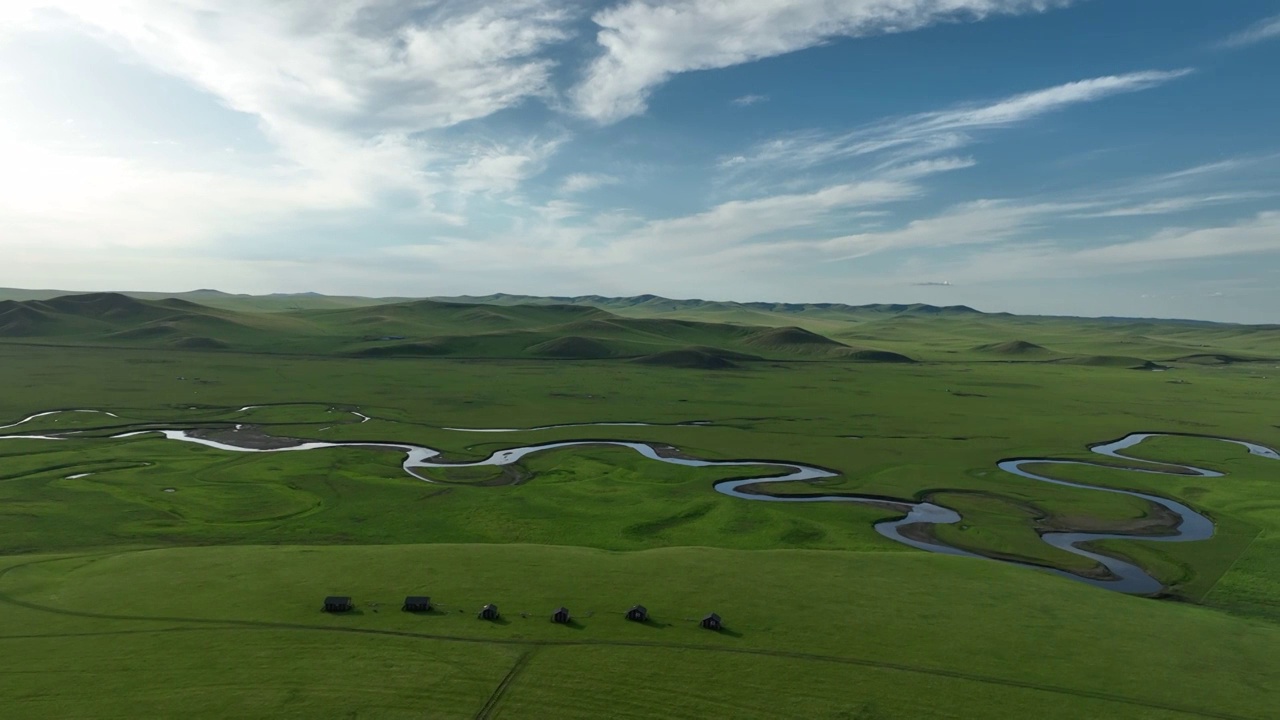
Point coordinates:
pixel 417 603
pixel 712 622
pixel 638 614
pixel 337 604
pixel 489 612
pixel 560 616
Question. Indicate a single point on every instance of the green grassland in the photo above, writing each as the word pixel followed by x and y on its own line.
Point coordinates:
pixel 878 635
pixel 176 579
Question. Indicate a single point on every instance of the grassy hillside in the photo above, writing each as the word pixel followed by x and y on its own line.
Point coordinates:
pixel 332 324
pixel 1015 349
pixel 278 302
pixel 420 328
pixel 111 318
pixel 943 333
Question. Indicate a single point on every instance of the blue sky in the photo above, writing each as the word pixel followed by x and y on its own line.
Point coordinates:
pixel 1096 157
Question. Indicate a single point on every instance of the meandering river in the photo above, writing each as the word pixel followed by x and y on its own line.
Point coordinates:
pixel 1126 577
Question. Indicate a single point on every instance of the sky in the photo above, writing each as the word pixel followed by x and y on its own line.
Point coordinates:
pixel 1079 157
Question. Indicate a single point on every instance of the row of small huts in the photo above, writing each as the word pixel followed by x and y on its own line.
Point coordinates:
pixel 420 603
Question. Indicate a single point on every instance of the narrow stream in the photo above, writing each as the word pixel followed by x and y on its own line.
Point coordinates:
pixel 1128 578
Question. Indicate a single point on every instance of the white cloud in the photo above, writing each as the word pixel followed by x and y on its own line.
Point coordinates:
pixel 67 200
pixel 1170 206
pixel 16 15
pixel 646 42
pixel 738 221
pixel 1207 185
pixel 749 100
pixel 557 210
pixel 800 225
pixel 1266 29
pixel 1026 106
pixel 615 249
pixel 351 95
pixel 939 131
pixel 584 182
pixel 1012 234
pixel 973 223
pixel 501 169
pixel 1213 168
pixel 1028 259
pixel 1259 234
pixel 360 64
pixel 1017 231
pixel 923 168
pixel 1252 171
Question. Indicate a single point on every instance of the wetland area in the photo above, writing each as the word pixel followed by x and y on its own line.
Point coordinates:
pixel 1184 523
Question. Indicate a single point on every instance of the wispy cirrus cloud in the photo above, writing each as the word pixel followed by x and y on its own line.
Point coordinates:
pixel 740 221
pixel 1168 206
pixel 909 149
pixel 584 182
pixel 1261 31
pixel 980 222
pixel 617 252
pixel 749 100
pixel 1221 183
pixel 645 42
pixel 1060 255
pixel 1022 235
pixel 940 131
pixel 1004 238
pixel 496 168
pixel 1259 234
pixel 1029 254
pixel 924 168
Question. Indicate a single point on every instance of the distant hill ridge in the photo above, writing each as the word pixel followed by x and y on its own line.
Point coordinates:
pixel 595 327
pixel 313 300
pixel 416 328
pixel 656 301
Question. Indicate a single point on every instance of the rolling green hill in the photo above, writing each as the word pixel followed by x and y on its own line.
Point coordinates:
pixel 1015 348
pixel 115 319
pixel 275 302
pixel 932 332
pixel 419 328
pixel 601 328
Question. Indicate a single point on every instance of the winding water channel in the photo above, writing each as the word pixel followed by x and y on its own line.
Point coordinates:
pixel 1126 577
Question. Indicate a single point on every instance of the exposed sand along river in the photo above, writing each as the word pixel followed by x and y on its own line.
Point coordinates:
pixel 1125 577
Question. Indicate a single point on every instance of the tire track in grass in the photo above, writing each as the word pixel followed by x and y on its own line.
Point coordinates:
pixel 109 633
pixel 1230 567
pixel 486 711
pixel 211 624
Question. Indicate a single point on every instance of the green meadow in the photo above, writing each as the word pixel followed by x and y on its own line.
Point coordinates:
pixel 145 577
